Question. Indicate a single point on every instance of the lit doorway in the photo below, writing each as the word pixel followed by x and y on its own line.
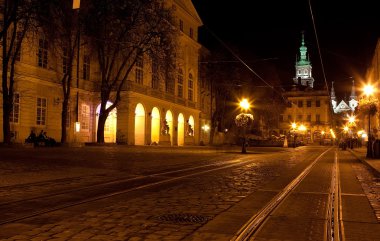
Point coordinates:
pixel 169 120
pixel 110 125
pixel 139 125
pixel 190 131
pixel 181 130
pixel 155 129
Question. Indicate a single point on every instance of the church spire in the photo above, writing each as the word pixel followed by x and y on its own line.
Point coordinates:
pixel 353 94
pixel 333 97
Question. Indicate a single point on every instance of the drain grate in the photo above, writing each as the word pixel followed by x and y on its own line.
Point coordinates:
pixel 183 218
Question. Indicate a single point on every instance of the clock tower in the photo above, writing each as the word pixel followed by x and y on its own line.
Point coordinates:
pixel 303 67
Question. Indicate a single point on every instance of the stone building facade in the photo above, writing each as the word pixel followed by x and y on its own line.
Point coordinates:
pixel 148 113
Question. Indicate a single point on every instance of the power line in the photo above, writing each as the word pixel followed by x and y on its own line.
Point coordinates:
pixel 320 58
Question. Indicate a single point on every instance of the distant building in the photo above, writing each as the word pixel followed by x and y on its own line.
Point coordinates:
pixel 152 110
pixel 342 106
pixel 306 106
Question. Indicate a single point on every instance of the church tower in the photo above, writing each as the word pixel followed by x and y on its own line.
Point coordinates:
pixel 353 103
pixel 303 67
pixel 333 97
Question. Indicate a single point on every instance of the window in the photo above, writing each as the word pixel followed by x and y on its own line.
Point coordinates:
pixel 309 118
pixel 300 103
pixel 86 67
pixel 191 33
pixel 282 118
pixel 15 113
pixel 41 111
pixel 308 103
pixel 169 85
pixel 65 60
pixel 85 117
pixel 290 118
pixel 139 70
pixel 190 87
pixel 42 53
pixel 318 118
pixel 299 117
pixel 180 83
pixel 289 104
pixel 318 103
pixel 155 76
pixel 181 25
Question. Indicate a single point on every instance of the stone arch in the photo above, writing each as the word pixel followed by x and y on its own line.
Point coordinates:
pixel 139 124
pixel 155 125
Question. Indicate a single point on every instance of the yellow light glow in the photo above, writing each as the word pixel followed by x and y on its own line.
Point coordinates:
pixel 77 126
pixel 332 133
pixel 368 90
pixel 323 132
pixel 206 128
pixel 351 119
pixel 302 128
pixel 293 125
pixel 244 104
pixel 345 128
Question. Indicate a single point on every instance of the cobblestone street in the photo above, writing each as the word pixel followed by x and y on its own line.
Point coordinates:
pixel 171 211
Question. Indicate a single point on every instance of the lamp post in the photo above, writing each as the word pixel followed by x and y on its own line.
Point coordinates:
pixel 371 108
pixel 243 120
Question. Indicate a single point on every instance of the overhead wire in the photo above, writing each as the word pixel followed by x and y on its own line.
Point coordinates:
pixel 321 60
pixel 244 63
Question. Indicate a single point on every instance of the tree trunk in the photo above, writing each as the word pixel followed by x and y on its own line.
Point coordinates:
pixel 64 121
pixel 101 123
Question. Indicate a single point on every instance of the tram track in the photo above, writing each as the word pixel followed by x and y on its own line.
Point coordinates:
pixel 333 225
pixel 26 208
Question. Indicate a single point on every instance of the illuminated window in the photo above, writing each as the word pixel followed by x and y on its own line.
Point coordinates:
pixel 180 83
pixel 85 117
pixel 42 53
pixel 41 111
pixel 15 113
pixel 190 86
pixel 139 70
pixel 86 67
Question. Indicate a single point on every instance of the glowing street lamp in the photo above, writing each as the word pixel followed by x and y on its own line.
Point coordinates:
pixel 370 104
pixel 243 120
pixel 244 104
pixel 293 129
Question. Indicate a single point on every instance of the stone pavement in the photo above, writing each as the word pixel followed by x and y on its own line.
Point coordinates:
pixel 373 163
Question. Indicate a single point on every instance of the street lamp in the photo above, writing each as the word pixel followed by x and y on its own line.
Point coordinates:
pixel 243 120
pixel 369 103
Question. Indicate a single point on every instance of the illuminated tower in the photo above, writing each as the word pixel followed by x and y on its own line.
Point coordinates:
pixel 353 103
pixel 333 97
pixel 303 67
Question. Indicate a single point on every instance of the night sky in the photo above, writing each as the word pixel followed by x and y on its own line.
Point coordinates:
pixel 347 34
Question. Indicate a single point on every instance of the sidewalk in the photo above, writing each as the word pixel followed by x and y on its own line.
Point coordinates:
pixel 371 162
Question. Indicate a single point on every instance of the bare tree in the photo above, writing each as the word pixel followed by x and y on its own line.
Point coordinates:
pixel 18 19
pixel 60 24
pixel 121 32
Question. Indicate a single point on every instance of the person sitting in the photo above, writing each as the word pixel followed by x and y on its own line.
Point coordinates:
pixel 31 138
